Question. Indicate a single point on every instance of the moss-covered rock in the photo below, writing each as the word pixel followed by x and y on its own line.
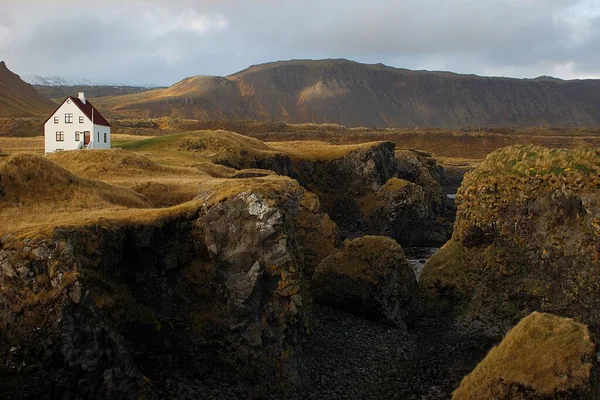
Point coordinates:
pixel 542 357
pixel 527 237
pixel 369 277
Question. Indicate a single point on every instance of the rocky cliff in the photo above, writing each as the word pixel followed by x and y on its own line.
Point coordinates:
pixel 371 189
pixel 526 237
pixel 353 94
pixel 107 309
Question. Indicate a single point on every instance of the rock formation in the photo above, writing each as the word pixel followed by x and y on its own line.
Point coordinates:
pixel 369 277
pixel 543 357
pixel 361 190
pixel 526 237
pixel 101 310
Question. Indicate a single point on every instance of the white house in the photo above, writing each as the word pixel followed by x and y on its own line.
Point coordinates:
pixel 76 125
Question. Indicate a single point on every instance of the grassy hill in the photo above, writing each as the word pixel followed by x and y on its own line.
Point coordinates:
pixel 354 94
pixel 19 99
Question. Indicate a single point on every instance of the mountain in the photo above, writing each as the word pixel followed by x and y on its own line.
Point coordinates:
pixel 19 99
pixel 59 93
pixel 55 81
pixel 62 81
pixel 354 94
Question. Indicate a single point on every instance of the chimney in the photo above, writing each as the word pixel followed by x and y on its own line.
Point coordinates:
pixel 82 97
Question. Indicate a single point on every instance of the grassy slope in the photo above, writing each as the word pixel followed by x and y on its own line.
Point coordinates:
pixel 18 99
pixel 543 355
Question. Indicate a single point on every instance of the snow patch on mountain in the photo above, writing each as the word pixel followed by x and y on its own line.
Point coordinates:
pixel 54 80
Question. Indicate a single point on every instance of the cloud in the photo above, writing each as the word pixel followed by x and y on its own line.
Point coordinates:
pixel 163 41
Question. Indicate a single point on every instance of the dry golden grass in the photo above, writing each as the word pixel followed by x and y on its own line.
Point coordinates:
pixel 19 145
pixel 37 191
pixel 35 144
pixel 544 354
pixel 314 150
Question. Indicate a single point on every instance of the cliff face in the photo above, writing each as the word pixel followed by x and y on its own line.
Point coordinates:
pixel 526 237
pixel 105 310
pixel 372 190
pixel 353 94
pixel 19 99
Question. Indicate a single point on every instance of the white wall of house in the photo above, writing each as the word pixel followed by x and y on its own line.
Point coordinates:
pixel 101 139
pixel 67 131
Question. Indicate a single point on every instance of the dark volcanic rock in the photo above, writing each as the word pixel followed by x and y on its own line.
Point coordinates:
pixel 101 311
pixel 369 277
pixel 360 193
pixel 259 264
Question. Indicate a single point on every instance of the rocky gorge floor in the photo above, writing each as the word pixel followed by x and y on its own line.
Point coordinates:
pixel 348 357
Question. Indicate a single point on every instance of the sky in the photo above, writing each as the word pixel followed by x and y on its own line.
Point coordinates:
pixel 162 42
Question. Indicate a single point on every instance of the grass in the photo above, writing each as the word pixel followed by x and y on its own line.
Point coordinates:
pixel 38 191
pixel 543 354
pixel 515 175
pixel 313 150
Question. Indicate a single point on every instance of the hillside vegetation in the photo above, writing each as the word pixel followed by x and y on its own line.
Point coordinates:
pixel 526 238
pixel 542 357
pixel 353 94
pixel 19 99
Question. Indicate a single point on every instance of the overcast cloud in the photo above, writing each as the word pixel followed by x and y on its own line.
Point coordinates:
pixel 151 41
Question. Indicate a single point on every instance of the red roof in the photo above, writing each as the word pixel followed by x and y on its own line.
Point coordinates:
pixel 87 109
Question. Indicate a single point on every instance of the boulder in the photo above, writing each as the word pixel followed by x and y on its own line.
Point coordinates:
pixel 369 277
pixel 526 237
pixel 542 357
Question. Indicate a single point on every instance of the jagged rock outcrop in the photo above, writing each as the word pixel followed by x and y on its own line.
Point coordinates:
pixel 211 286
pixel 369 277
pixel 543 357
pixel 360 190
pixel 259 263
pixel 526 237
pixel 342 179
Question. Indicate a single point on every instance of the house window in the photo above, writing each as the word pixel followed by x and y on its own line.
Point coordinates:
pixel 81 120
pixel 60 136
pixel 104 137
pixel 98 137
pixel 77 136
pixel 56 120
pixel 68 118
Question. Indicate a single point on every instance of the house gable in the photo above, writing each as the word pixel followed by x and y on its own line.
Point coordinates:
pixel 87 109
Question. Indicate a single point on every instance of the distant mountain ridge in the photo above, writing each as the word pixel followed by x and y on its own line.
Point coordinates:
pixel 19 99
pixel 354 94
pixel 54 81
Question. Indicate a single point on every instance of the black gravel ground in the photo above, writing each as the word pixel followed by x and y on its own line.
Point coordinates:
pixel 347 357
pixel 351 358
